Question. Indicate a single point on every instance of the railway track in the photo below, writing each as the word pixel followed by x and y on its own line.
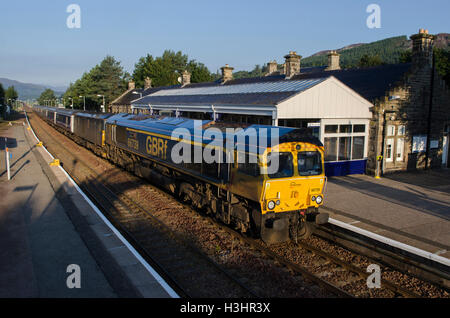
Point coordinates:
pixel 321 268
pixel 319 275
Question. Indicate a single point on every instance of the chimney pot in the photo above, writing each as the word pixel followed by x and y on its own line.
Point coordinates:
pixel 422 50
pixel 148 83
pixel 292 64
pixel 131 85
pixel 227 73
pixel 272 67
pixel 185 78
pixel 333 61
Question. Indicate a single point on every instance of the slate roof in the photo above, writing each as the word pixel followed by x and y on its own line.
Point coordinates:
pixel 371 83
pixel 264 93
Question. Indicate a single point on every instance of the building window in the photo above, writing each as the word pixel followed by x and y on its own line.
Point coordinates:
pixel 343 142
pixel 331 129
pixel 345 148
pixel 358 147
pixel 359 128
pixel 419 143
pixel 391 130
pixel 330 145
pixel 345 128
pixel 401 130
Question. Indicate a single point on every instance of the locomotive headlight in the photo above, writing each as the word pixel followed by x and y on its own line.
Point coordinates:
pixel 319 199
pixel 313 198
pixel 271 205
pixel 278 202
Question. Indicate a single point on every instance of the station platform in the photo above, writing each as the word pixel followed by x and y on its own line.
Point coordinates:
pixel 412 208
pixel 47 227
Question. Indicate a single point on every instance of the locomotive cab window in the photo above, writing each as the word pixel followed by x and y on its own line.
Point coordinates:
pixel 280 165
pixel 309 163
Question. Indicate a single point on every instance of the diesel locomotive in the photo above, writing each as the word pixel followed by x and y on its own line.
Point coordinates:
pixel 262 179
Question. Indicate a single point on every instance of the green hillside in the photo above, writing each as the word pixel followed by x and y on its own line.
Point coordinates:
pixel 389 50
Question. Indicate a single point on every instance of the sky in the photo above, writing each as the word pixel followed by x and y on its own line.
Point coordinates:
pixel 37 46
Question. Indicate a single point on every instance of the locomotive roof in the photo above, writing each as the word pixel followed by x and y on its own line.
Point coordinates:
pixel 252 134
pixel 94 115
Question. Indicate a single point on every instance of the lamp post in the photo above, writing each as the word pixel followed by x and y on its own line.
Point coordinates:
pixel 72 101
pixel 84 102
pixel 103 106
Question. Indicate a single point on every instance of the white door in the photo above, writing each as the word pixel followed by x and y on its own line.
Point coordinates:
pixel 389 149
pixel 400 147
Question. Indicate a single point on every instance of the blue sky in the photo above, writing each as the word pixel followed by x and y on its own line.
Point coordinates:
pixel 36 46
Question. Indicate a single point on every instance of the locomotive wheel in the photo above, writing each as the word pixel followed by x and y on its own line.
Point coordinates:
pixel 304 230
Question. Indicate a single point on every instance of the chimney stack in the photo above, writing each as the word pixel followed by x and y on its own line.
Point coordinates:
pixel 131 85
pixel 333 61
pixel 272 67
pixel 185 78
pixel 422 51
pixel 227 73
pixel 292 64
pixel 148 83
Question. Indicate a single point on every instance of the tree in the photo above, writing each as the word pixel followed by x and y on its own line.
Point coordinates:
pixel 199 72
pixel 442 62
pixel 10 93
pixel 405 56
pixel 166 69
pixel 46 96
pixel 369 61
pixel 2 94
pixel 107 78
pixel 2 100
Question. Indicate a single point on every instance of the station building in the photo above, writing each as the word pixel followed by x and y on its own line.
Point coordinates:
pixel 400 112
pixel 410 126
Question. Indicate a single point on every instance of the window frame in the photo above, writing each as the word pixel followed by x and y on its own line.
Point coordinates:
pixel 352 134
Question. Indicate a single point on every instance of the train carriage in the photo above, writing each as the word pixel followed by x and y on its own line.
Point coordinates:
pixel 65 119
pixel 91 127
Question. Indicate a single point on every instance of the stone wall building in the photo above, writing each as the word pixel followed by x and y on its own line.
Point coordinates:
pixel 122 104
pixel 411 113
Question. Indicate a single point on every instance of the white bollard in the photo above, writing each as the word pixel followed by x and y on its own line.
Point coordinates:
pixel 7 159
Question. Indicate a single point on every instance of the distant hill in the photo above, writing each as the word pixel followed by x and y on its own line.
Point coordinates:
pixel 29 91
pixel 388 49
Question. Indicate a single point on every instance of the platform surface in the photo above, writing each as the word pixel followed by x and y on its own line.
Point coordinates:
pixel 410 207
pixel 46 225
